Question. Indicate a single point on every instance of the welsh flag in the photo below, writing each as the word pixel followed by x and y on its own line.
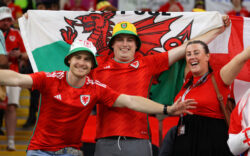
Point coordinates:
pixel 229 44
pixel 47 37
pixel 222 49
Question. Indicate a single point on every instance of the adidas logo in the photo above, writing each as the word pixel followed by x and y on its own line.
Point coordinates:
pixel 58 97
pixel 107 67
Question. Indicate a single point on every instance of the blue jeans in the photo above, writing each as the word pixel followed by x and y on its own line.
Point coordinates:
pixel 49 153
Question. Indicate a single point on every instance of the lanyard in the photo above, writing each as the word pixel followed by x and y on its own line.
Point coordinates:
pixel 201 80
pixel 181 128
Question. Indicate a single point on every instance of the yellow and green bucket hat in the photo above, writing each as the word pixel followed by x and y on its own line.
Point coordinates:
pixel 125 28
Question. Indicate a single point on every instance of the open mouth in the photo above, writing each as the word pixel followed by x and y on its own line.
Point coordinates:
pixel 124 49
pixel 81 69
pixel 194 63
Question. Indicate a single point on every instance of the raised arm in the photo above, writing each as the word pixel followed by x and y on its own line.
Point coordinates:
pixel 12 78
pixel 237 142
pixel 145 105
pixel 229 72
pixel 178 53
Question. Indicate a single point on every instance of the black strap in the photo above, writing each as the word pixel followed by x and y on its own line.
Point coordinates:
pixel 6 34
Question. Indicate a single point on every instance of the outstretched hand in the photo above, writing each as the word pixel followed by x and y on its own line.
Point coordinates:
pixel 226 20
pixel 180 107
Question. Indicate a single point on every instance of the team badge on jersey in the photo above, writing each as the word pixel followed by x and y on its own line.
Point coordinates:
pixel 135 64
pixel 85 99
pixel 12 38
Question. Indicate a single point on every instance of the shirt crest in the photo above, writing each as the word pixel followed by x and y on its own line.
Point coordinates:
pixel 135 64
pixel 85 99
pixel 12 38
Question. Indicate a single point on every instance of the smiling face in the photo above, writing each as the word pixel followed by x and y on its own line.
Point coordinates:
pixel 197 59
pixel 124 47
pixel 80 64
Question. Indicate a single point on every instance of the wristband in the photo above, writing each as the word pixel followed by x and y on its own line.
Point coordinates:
pixel 165 110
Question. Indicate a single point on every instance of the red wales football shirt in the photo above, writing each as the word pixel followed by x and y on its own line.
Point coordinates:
pixel 13 40
pixel 64 109
pixel 206 97
pixel 131 78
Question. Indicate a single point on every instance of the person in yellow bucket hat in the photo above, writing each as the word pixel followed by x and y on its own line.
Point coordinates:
pixel 199 6
pixel 122 131
pixel 105 6
pixel 125 28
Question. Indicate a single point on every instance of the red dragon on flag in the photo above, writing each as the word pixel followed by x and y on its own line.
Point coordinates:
pixel 100 27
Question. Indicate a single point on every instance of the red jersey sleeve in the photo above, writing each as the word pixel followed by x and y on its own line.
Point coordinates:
pixel 157 63
pixel 219 80
pixel 223 88
pixel 38 80
pixel 107 96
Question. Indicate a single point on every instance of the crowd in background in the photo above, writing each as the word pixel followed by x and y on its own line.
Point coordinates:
pixel 235 7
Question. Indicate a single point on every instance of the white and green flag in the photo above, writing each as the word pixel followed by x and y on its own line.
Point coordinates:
pixel 47 36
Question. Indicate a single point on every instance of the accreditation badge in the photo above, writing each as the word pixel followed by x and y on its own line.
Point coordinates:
pixel 181 130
